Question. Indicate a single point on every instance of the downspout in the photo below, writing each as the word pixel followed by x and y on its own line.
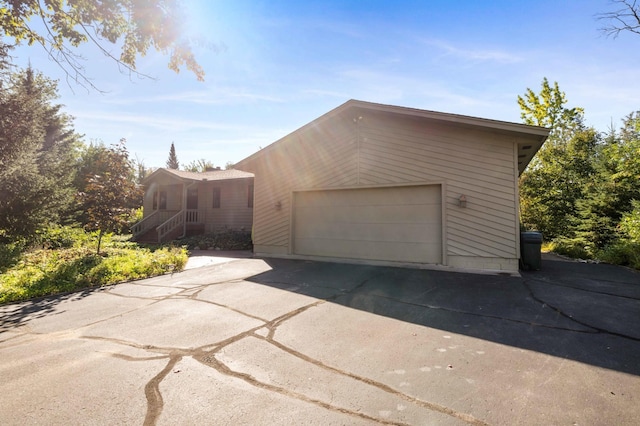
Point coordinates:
pixel 185 189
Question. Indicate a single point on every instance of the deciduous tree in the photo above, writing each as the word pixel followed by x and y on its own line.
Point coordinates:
pixel 132 25
pixel 553 182
pixel 110 193
pixel 626 18
pixel 200 165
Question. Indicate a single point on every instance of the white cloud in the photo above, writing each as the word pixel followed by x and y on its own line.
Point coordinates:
pixel 493 55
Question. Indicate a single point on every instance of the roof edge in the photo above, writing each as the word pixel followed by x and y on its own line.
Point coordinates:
pixel 505 126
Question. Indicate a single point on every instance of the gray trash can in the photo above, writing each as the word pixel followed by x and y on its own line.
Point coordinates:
pixel 530 250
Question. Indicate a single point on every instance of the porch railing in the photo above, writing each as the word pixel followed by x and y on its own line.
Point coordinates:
pixel 165 222
pixel 192 216
pixel 145 224
pixel 170 225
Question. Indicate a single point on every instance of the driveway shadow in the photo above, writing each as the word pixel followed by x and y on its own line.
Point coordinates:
pixel 584 312
pixel 16 314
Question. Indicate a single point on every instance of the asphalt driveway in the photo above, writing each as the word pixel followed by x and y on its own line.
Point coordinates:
pixel 237 340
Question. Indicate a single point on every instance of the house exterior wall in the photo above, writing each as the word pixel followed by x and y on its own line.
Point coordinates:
pixel 369 149
pixel 233 213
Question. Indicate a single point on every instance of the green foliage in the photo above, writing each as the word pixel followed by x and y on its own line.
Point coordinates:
pixel 622 252
pixel 109 194
pixel 224 240
pixel 45 272
pixel 547 109
pixel 10 254
pixel 200 165
pixel 572 247
pixel 133 25
pixel 550 192
pixel 630 223
pixel 37 156
pixel 57 236
pixel 582 189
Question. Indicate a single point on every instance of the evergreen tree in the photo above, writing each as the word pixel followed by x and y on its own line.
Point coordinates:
pixel 612 190
pixel 172 162
pixel 37 153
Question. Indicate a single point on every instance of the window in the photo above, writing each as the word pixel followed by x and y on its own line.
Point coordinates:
pixel 250 200
pixel 216 198
pixel 162 204
pixel 192 199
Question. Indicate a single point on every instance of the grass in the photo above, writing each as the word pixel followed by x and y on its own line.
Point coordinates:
pixel 46 271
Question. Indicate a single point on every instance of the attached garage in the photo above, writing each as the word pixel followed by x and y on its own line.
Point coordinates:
pixel 385 184
pixel 401 224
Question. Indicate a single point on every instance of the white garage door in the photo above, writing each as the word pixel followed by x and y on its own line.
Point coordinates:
pixel 396 224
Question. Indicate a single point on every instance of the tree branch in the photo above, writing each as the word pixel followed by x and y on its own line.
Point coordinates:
pixel 622 20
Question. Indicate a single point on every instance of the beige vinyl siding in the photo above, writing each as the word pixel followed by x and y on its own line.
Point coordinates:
pixel 474 163
pixel 233 213
pixel 321 157
pixel 382 149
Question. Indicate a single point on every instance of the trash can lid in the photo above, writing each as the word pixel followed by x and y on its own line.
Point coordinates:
pixel 531 237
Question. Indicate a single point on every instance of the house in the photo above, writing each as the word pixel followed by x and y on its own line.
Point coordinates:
pixel 372 183
pixel 179 203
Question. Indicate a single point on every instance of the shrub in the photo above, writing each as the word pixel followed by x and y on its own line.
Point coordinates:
pixel 64 237
pixel 622 253
pixel 10 254
pixel 572 247
pixel 45 272
pixel 228 239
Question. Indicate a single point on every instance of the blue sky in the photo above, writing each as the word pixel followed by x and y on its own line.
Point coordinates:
pixel 277 65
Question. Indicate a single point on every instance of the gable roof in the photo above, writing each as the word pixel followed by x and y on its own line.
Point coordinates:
pixel 199 176
pixel 530 138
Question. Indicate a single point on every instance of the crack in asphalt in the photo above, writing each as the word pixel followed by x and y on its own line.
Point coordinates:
pixel 460 311
pixel 155 403
pixel 386 388
pixel 206 355
pixel 570 317
pixel 545 281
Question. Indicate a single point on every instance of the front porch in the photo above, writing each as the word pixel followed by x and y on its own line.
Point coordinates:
pixel 179 203
pixel 167 225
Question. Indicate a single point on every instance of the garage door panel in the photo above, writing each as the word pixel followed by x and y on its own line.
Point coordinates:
pixel 371 232
pixel 369 196
pixel 414 213
pixel 396 224
pixel 407 252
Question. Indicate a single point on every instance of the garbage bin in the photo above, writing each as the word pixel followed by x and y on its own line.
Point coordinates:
pixel 530 250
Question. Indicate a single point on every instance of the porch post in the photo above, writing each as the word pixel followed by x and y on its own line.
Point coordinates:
pixel 183 207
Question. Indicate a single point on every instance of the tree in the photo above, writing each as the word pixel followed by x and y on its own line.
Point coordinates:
pixel 553 183
pixel 110 193
pixel 547 109
pixel 200 165
pixel 172 162
pixel 614 189
pixel 38 148
pixel 135 25
pixel 626 18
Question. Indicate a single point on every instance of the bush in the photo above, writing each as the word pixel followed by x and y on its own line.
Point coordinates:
pixel 64 237
pixel 228 239
pixel 44 272
pixel 10 254
pixel 573 247
pixel 622 252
